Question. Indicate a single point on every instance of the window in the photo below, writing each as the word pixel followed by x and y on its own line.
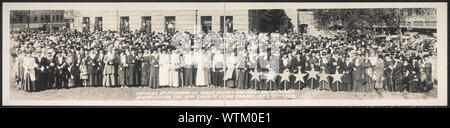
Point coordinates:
pixel 227 23
pixel 125 23
pixel 206 22
pixel 169 24
pixel 98 24
pixel 35 18
pixel 146 25
pixel 86 24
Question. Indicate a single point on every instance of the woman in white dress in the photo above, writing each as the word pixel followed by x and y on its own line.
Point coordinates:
pixel 174 67
pixel 164 76
pixel 199 61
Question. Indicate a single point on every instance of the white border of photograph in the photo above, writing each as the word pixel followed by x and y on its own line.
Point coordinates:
pixel 441 99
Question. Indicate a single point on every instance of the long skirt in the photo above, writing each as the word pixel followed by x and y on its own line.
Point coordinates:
pixel 230 78
pixel 100 77
pixel 357 84
pixel 378 82
pixel 201 77
pixel 28 84
pixel 207 76
pixel 154 77
pixel 398 84
pixel 243 79
pixel 121 76
pixel 388 84
pixel 130 75
pixel 43 81
pixel 188 76
pixel 347 81
pixel 21 76
pixel 145 76
pixel 93 79
pixel 164 75
pixel 173 80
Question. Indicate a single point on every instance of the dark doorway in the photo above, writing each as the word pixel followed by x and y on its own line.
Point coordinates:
pixel 206 22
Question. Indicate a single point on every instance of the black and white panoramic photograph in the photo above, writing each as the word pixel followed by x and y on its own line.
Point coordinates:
pixel 225 54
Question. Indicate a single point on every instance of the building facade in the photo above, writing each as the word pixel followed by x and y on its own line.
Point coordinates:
pixel 162 20
pixel 36 19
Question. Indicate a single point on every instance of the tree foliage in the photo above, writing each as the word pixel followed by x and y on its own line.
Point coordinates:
pixel 355 21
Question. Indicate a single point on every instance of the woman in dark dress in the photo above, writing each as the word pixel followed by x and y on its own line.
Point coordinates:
pixel 358 74
pixel 397 76
pixel 243 74
pixel 347 80
pixel 61 71
pixel 145 72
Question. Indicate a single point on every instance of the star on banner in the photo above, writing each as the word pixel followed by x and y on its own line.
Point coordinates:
pixel 312 74
pixel 255 75
pixel 337 77
pixel 285 76
pixel 323 76
pixel 299 76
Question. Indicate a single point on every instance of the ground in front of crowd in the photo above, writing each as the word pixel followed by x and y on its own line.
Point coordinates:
pixel 211 93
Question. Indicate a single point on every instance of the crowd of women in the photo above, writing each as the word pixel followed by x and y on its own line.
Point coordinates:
pixel 261 61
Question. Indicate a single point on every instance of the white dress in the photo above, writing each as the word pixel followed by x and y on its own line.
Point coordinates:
pixel 174 60
pixel 230 63
pixel 200 77
pixel 164 76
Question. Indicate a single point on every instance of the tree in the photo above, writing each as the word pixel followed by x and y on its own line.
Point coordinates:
pixel 363 21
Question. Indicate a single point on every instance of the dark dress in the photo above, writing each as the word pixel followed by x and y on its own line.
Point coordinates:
pixel 397 77
pixel 131 72
pixel 44 79
pixel 122 70
pixel 243 74
pixel 347 78
pixel 92 70
pixel 145 71
pixel 62 74
pixel 358 73
pixel 154 72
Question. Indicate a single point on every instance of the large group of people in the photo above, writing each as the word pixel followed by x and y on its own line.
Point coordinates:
pixel 261 61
